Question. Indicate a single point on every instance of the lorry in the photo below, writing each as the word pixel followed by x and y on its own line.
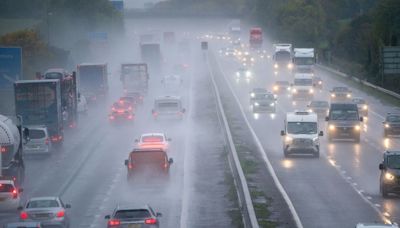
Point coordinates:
pixel 282 57
pixel 256 39
pixel 151 54
pixel 304 60
pixel 93 80
pixel 12 135
pixel 235 32
pixel 134 77
pixel 69 94
pixel 38 102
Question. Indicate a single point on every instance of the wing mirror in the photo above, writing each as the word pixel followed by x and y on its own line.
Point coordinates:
pixel 321 133
pixel 361 119
pixel 283 133
pixel 67 205
pixel 158 214
pixel 170 161
pixel 136 140
pixel 382 166
pixel 169 139
pixel 126 162
pixel 327 118
pixel 107 217
pixel 183 110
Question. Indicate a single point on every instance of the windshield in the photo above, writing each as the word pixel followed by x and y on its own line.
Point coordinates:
pixel 393 161
pixel 304 61
pixel 393 118
pixel 359 101
pixel 344 114
pixel 319 104
pixel 303 82
pixel 265 96
pixel 282 56
pixel 6 188
pixel 53 75
pixel 340 89
pixel 302 128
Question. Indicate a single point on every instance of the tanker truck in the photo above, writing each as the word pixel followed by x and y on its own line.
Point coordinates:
pixel 11 139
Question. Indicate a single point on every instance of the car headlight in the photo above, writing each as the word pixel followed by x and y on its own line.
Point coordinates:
pixel 244 59
pixel 332 127
pixel 275 88
pixel 252 94
pixel 311 91
pixel 333 95
pixel 365 107
pixel 272 104
pixel 348 95
pixel 288 139
pixel 290 66
pixel 389 176
pixel 276 66
pixel 387 126
pixel 256 104
pixel 294 90
pixel 252 59
pixel 310 110
pixel 319 82
pixel 357 127
pixel 237 74
pixel 248 73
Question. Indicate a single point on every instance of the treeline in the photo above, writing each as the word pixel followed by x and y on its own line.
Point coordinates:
pixel 348 34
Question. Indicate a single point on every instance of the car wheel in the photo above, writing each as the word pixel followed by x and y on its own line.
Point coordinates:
pixel 384 192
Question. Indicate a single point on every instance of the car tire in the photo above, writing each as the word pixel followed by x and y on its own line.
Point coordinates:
pixel 384 192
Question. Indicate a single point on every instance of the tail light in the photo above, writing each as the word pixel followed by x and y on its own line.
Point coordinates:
pixel 130 166
pixel 130 117
pixel 3 149
pixel 54 138
pixel 23 215
pixel 114 222
pixel 60 214
pixel 112 117
pixel 150 221
pixel 155 114
pixel 14 193
pixel 47 141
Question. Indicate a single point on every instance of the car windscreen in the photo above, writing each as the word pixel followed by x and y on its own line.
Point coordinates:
pixel 6 188
pixel 358 101
pixel 36 134
pixel 303 81
pixel 322 104
pixel 42 204
pixel 304 61
pixel 148 157
pixel 152 139
pixel 264 96
pixel 302 127
pixel 167 105
pixel 344 114
pixel 393 161
pixel 340 89
pixel 136 214
pixel 283 56
pixel 393 118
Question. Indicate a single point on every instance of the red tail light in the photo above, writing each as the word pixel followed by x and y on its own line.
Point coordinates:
pixel 150 221
pixel 3 149
pixel 60 214
pixel 23 215
pixel 47 141
pixel 15 193
pixel 130 166
pixel 114 222
pixel 113 108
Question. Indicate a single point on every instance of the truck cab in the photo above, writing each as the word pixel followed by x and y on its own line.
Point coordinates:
pixel 344 122
pixel 304 60
pixel 303 87
pixel 300 134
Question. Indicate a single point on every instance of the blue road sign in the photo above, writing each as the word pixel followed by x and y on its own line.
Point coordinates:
pixel 10 66
pixel 118 5
pixel 98 36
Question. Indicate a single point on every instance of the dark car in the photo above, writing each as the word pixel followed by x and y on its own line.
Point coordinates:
pixel 320 107
pixel 340 93
pixel 23 225
pixel 391 124
pixel 141 161
pixel 390 173
pixel 133 216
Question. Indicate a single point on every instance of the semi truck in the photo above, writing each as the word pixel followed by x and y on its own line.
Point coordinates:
pixel 93 81
pixel 282 57
pixel 304 60
pixel 134 77
pixel 12 135
pixel 69 94
pixel 151 54
pixel 256 39
pixel 38 102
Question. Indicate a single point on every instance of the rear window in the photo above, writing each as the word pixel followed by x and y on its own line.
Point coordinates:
pixel 148 157
pixel 6 188
pixel 167 105
pixel 155 138
pixel 42 204
pixel 36 134
pixel 132 214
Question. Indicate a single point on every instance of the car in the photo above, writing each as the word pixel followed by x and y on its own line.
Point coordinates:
pixel 153 140
pixel 23 225
pixel 262 101
pixel 122 105
pixel 302 87
pixel 172 82
pixel 247 60
pixel 376 225
pixel 281 87
pixel 243 74
pixel 121 111
pixel 39 141
pixel 141 160
pixel 9 194
pixel 390 173
pixel 340 94
pixel 344 121
pixel 301 134
pixel 317 82
pixel 133 216
pixel 49 211
pixel 134 97
pixel 82 105
pixel 168 107
pixel 391 125
pixel 320 107
pixel 362 105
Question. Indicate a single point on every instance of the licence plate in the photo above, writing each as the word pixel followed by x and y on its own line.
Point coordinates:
pixel 134 226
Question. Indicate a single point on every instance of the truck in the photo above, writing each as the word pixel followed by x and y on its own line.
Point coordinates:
pixel 256 39
pixel 38 102
pixel 12 135
pixel 134 77
pixel 282 57
pixel 151 54
pixel 93 80
pixel 235 32
pixel 69 94
pixel 304 60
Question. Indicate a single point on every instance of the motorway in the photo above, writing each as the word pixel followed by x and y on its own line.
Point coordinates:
pixel 88 172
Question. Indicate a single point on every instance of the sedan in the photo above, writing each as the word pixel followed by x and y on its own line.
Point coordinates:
pixel 132 216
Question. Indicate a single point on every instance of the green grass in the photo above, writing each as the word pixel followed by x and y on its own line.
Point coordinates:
pixel 234 214
pixel 11 25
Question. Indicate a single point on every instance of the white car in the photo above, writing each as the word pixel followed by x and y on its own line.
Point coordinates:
pixel 168 107
pixel 153 141
pixel 39 141
pixel 9 195
pixel 82 104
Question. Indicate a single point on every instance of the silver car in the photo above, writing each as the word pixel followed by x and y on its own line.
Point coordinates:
pixel 132 216
pixel 39 141
pixel 49 211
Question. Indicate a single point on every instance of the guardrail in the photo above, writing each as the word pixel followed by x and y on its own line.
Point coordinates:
pixel 363 82
pixel 245 201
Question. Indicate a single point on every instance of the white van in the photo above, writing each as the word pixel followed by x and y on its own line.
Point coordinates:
pixel 301 133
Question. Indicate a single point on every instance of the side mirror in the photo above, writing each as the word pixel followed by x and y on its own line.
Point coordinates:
pixel 283 133
pixel 381 166
pixel 20 208
pixel 183 110
pixel 321 133
pixel 126 162
pixel 361 119
pixel 26 133
pixel 327 118
pixel 170 161
pixel 158 214
pixel 20 190
pixel 107 217
pixel 67 205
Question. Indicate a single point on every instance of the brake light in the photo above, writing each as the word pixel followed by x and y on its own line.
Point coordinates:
pixel 47 141
pixel 112 117
pixel 114 222
pixel 113 108
pixel 130 166
pixel 155 114
pixel 150 221
pixel 3 149
pixel 130 117
pixel 60 214
pixel 23 215
pixel 14 193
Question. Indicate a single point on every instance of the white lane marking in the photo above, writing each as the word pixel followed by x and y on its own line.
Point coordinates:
pixel 264 155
